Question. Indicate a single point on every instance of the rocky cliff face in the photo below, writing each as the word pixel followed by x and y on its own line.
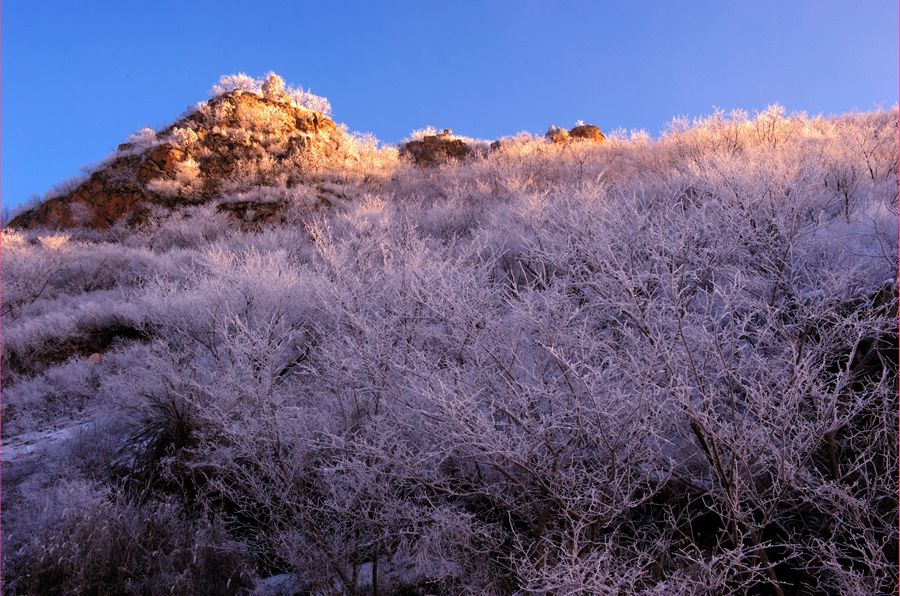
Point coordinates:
pixel 192 161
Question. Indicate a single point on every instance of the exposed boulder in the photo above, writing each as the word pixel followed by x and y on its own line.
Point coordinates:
pixel 587 132
pixel 435 149
pixel 190 161
pixel 582 132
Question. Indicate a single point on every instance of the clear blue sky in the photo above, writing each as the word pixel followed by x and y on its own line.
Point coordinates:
pixel 79 76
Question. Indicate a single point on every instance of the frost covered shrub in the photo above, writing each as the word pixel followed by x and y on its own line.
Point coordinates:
pixel 138 142
pixel 28 270
pixel 361 159
pixel 102 544
pixel 186 229
pixel 184 137
pixel 656 366
pixel 186 183
pixel 60 393
pixel 272 87
pixel 74 327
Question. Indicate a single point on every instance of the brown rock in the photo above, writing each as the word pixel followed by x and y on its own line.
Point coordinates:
pixel 96 203
pixel 587 132
pixel 166 156
pixel 435 149
pixel 582 132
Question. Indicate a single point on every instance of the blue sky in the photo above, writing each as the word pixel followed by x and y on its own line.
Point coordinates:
pixel 79 77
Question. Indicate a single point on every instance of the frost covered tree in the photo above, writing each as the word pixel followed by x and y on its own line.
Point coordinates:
pixel 273 88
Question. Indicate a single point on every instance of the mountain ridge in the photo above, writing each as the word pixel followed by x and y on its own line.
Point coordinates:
pixel 192 160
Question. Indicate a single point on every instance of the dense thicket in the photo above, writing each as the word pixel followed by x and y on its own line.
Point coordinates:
pixel 642 366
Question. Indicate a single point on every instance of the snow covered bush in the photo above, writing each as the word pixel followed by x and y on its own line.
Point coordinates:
pixel 274 88
pixel 92 543
pixel 643 366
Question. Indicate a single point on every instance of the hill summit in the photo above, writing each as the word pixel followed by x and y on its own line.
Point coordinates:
pixel 253 133
pixel 194 159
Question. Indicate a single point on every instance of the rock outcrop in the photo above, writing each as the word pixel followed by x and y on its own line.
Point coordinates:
pixel 188 162
pixel 582 132
pixel 587 132
pixel 435 149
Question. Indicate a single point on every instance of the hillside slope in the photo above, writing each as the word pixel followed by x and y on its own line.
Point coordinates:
pixel 617 365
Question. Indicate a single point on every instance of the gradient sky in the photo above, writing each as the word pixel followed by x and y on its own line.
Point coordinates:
pixel 79 77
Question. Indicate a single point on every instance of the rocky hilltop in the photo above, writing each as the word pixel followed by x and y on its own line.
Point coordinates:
pixel 252 134
pixel 192 161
